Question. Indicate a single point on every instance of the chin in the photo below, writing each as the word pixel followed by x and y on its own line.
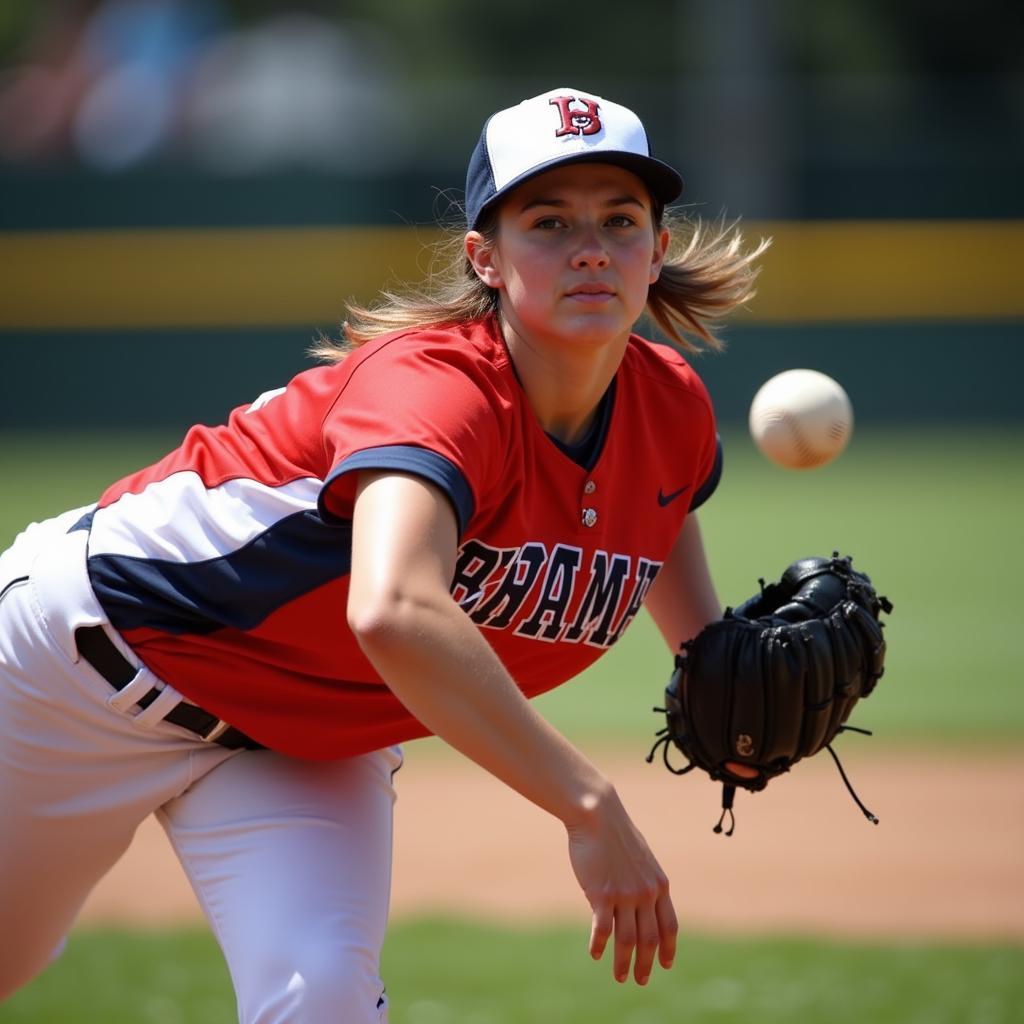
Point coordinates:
pixel 596 330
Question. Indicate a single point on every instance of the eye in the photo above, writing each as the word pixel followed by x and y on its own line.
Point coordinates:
pixel 621 220
pixel 548 223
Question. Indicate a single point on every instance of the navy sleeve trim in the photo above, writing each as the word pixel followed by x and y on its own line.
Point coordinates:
pixel 409 459
pixel 709 486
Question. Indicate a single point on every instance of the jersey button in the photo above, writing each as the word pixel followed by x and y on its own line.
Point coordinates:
pixel 589 516
pixel 589 487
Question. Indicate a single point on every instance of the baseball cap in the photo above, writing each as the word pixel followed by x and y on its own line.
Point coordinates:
pixel 559 127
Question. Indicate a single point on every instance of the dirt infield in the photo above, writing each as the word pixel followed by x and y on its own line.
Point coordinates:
pixel 947 860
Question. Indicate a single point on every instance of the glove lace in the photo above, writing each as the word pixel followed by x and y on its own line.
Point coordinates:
pixel 849 788
pixel 664 741
pixel 728 792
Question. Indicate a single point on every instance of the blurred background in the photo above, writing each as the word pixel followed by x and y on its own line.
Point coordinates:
pixel 214 178
pixel 191 190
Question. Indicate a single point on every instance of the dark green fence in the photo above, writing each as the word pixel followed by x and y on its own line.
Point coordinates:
pixel 129 379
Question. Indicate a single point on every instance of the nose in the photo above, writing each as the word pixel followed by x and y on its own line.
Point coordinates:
pixel 590 252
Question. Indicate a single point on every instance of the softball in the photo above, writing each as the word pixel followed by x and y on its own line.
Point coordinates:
pixel 801 419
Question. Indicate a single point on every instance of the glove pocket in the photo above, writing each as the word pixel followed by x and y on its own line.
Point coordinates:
pixel 706 695
pixel 818 686
pixel 784 671
pixel 849 666
pixel 869 631
pixel 747 736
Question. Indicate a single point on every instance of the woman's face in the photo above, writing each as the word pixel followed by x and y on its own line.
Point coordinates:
pixel 575 253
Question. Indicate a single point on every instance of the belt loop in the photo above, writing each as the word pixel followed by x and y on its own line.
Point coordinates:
pixel 168 699
pixel 155 700
pixel 217 731
pixel 128 696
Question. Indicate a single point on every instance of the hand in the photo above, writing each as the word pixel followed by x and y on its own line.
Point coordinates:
pixel 626 889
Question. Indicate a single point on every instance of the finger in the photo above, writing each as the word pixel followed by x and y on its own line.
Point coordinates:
pixel 600 931
pixel 625 941
pixel 647 936
pixel 668 929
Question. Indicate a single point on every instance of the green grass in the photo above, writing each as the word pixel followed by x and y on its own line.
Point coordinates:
pixel 44 475
pixel 456 973
pixel 931 514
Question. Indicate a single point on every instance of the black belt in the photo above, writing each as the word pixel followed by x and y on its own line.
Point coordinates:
pixel 98 649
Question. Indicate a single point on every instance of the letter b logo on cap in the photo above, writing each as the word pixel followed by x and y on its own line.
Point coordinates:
pixel 576 122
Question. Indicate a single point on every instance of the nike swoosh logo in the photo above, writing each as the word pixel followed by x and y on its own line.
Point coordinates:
pixel 666 499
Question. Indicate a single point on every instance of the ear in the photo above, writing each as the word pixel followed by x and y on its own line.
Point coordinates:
pixel 481 256
pixel 661 240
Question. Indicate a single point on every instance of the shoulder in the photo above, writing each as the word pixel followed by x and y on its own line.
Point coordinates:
pixel 428 402
pixel 661 369
pixel 475 348
pixel 466 364
pixel 664 389
pixel 450 372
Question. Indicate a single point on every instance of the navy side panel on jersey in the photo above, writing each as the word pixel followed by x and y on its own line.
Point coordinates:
pixel 183 558
pixel 238 590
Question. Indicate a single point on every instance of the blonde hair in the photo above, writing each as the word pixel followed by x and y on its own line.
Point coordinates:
pixel 706 275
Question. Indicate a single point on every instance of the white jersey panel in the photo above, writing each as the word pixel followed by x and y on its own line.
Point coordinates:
pixel 180 519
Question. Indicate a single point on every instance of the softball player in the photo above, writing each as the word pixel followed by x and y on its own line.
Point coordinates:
pixel 464 507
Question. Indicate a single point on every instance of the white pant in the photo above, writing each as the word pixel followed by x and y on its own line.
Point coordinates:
pixel 290 860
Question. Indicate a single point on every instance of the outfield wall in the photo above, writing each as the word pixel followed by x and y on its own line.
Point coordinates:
pixel 171 378
pixel 921 321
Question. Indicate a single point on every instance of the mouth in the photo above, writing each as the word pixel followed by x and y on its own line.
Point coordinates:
pixel 591 291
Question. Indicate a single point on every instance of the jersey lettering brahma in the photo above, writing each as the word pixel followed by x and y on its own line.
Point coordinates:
pixel 225 566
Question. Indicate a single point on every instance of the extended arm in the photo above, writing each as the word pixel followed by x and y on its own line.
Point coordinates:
pixel 683 599
pixel 437 663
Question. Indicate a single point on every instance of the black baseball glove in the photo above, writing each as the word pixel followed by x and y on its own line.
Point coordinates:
pixel 776 678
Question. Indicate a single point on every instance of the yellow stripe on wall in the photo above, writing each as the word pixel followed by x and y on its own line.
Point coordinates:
pixel 814 272
pixel 883 270
pixel 198 278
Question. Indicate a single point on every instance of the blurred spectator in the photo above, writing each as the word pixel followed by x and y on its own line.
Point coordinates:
pixel 104 81
pixel 297 91
pixel 122 82
pixel 144 50
pixel 38 98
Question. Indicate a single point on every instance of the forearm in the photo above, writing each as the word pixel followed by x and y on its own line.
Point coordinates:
pixel 443 670
pixel 683 599
pixel 440 667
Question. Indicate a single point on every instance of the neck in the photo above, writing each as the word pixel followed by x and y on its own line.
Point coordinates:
pixel 563 384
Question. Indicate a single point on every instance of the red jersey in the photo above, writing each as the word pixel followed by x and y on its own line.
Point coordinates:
pixel 225 565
